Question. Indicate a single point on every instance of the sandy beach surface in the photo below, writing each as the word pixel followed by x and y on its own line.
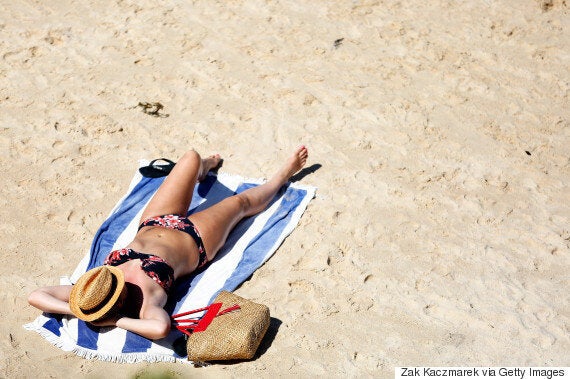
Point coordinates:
pixel 439 134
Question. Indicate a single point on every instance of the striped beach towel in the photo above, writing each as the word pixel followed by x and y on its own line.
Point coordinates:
pixel 248 246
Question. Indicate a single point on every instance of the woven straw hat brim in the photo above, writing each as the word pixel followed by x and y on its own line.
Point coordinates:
pixel 105 308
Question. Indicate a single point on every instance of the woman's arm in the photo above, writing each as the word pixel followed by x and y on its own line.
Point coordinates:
pixel 154 325
pixel 150 328
pixel 54 299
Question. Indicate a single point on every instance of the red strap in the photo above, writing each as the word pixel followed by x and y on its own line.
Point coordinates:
pixel 201 323
pixel 190 312
pixel 227 310
pixel 184 330
pixel 208 317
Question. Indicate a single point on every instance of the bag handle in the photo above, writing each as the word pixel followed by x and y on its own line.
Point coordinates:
pixel 199 324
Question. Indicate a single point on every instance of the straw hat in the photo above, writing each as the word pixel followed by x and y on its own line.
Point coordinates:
pixel 96 292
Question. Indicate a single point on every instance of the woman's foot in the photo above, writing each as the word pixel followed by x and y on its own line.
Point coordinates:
pixel 209 164
pixel 295 163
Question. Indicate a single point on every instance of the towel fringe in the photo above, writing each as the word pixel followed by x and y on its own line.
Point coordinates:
pixel 49 336
pixel 125 357
pixel 93 354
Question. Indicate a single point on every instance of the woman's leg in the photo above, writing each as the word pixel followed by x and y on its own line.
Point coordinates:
pixel 216 222
pixel 175 193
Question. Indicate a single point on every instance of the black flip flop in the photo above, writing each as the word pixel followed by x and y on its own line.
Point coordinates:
pixel 154 170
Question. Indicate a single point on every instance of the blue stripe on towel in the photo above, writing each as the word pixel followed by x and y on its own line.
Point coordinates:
pixel 136 344
pixel 53 325
pixel 87 335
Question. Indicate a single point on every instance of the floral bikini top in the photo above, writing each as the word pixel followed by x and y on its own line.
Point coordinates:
pixel 154 266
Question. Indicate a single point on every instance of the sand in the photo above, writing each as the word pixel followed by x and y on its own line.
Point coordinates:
pixel 439 135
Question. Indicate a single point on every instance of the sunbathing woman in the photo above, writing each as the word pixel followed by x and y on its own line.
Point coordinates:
pixel 131 288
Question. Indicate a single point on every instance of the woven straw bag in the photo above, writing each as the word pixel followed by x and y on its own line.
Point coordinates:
pixel 234 335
